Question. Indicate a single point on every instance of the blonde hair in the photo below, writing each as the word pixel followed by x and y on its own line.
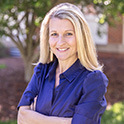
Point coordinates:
pixel 85 45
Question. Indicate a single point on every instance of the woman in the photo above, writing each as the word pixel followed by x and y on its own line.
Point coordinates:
pixel 68 81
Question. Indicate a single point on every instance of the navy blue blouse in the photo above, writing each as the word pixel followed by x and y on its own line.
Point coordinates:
pixel 79 95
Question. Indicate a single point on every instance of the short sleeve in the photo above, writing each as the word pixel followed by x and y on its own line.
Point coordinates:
pixel 92 103
pixel 32 88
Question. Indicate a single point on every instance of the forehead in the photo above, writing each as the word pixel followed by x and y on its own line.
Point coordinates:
pixel 60 24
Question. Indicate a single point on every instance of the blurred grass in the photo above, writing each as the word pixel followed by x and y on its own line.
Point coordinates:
pixel 115 115
pixel 2 66
pixel 9 122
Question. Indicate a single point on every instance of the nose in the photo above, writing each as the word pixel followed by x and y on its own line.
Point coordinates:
pixel 61 40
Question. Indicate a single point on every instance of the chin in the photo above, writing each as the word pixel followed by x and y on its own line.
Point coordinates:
pixel 62 58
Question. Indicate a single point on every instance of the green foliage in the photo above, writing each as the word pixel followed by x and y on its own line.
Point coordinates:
pixel 11 9
pixel 8 122
pixel 2 66
pixel 115 115
pixel 107 10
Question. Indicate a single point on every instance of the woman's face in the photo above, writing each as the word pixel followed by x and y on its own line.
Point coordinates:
pixel 62 39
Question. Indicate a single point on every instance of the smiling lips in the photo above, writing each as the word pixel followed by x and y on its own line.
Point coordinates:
pixel 62 49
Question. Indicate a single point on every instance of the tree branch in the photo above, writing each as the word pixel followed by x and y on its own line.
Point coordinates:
pixel 21 19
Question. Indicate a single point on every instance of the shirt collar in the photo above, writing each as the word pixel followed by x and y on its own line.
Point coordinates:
pixel 69 74
pixel 52 70
pixel 73 71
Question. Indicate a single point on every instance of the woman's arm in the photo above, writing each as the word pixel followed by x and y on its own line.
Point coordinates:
pixel 28 116
pixel 92 103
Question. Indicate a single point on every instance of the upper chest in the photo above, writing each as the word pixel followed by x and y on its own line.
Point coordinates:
pixel 52 97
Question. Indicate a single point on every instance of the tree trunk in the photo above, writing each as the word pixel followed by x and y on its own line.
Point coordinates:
pixel 28 70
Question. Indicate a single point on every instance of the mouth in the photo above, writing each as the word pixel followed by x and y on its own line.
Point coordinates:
pixel 62 49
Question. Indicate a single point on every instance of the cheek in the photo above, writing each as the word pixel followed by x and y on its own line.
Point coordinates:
pixel 74 46
pixel 73 43
pixel 51 42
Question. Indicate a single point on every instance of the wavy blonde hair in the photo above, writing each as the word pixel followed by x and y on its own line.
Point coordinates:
pixel 85 45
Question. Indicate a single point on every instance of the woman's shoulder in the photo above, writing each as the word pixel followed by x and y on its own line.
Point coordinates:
pixel 41 68
pixel 97 73
pixel 97 77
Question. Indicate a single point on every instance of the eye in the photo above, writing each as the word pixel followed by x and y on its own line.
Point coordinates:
pixel 53 34
pixel 69 34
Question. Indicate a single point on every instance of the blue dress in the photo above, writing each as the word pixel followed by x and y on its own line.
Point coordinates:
pixel 79 95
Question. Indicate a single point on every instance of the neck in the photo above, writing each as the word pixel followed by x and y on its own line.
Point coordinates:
pixel 64 65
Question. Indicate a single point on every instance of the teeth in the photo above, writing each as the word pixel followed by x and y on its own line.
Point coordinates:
pixel 62 49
